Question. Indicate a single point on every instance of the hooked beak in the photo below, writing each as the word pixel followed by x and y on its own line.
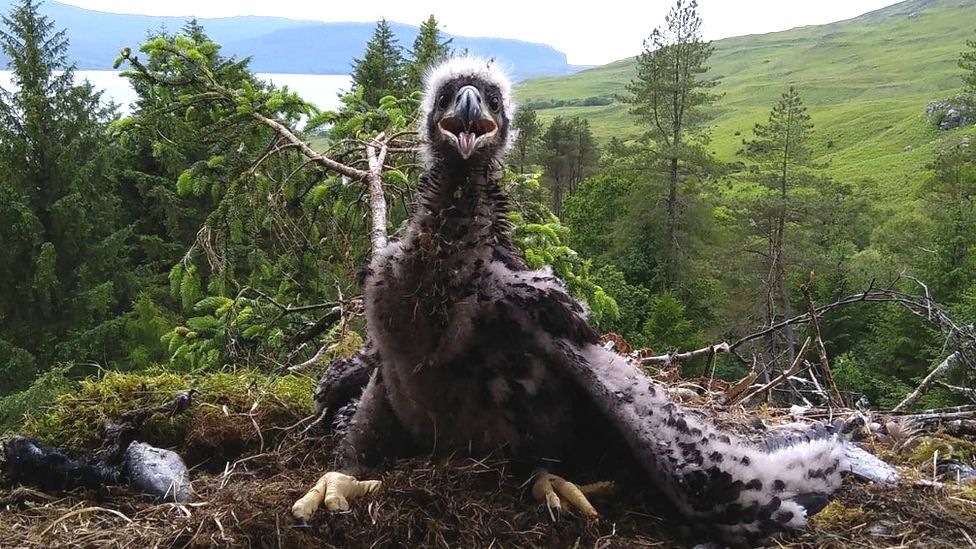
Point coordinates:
pixel 467 124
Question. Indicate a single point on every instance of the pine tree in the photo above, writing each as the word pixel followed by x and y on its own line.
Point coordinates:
pixel 781 160
pixel 64 267
pixel 585 152
pixel 428 50
pixel 381 70
pixel 668 96
pixel 526 123
pixel 568 154
pixel 967 61
pixel 949 195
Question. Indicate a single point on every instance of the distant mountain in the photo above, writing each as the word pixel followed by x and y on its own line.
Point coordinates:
pixel 276 44
pixel 866 82
pixel 328 48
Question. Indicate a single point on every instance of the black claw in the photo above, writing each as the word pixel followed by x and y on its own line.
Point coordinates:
pixel 301 523
pixel 557 515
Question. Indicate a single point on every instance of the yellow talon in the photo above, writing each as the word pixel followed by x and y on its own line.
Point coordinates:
pixel 598 488
pixel 335 489
pixel 555 490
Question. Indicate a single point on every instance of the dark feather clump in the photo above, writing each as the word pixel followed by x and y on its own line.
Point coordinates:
pixel 34 463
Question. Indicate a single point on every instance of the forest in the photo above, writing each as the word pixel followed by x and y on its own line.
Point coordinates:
pixel 213 238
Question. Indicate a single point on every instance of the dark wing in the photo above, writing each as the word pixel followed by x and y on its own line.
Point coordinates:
pixel 343 382
pixel 743 492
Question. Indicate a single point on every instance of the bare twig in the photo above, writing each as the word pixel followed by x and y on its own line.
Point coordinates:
pixel 834 395
pixel 671 358
pixel 791 371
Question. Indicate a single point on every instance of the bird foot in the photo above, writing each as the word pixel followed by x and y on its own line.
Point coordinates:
pixel 335 489
pixel 558 492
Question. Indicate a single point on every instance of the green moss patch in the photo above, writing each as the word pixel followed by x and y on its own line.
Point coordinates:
pixel 232 412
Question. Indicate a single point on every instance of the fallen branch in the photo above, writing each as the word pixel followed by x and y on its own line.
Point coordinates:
pixel 932 417
pixel 671 358
pixel 941 370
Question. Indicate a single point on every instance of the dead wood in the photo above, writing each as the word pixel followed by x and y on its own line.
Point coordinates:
pixel 791 371
pixel 834 395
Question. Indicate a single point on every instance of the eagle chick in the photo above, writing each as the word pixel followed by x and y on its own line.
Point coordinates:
pixel 471 351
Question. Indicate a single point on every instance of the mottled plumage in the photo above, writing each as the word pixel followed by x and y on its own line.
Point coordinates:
pixel 470 351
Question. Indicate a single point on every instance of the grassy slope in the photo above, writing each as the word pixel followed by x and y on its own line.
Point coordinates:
pixel 865 81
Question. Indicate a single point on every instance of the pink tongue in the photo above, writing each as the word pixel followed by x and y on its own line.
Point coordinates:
pixel 466 141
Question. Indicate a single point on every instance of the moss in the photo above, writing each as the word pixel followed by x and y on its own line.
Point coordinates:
pixel 232 412
pixel 838 515
pixel 947 447
pixel 926 450
pixel 964 450
pixel 343 342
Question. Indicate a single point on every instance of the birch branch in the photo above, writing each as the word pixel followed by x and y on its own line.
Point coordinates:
pixel 971 393
pixel 941 370
pixel 671 358
pixel 376 152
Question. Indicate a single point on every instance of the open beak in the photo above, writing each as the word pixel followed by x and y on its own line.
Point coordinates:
pixel 467 124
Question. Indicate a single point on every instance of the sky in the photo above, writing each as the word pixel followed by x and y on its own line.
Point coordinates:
pixel 599 32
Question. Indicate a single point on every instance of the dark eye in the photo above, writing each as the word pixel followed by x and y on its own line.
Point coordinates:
pixel 494 103
pixel 442 101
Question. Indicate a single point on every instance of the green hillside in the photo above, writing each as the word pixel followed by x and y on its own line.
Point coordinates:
pixel 866 82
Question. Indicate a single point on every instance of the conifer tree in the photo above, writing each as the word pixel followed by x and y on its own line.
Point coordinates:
pixel 526 123
pixel 64 267
pixel 381 70
pixel 428 49
pixel 668 96
pixel 161 143
pixel 967 61
pixel 569 152
pixel 781 160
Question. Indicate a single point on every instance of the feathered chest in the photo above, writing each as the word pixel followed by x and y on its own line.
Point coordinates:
pixel 429 276
pixel 436 279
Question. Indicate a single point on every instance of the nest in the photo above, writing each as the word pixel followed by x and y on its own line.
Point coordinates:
pixel 442 503
pixel 248 470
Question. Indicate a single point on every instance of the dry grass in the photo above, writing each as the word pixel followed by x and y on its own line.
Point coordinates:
pixel 452 503
pixel 245 483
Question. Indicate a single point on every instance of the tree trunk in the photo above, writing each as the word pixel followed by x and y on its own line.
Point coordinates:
pixel 781 246
pixel 787 313
pixel 670 228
